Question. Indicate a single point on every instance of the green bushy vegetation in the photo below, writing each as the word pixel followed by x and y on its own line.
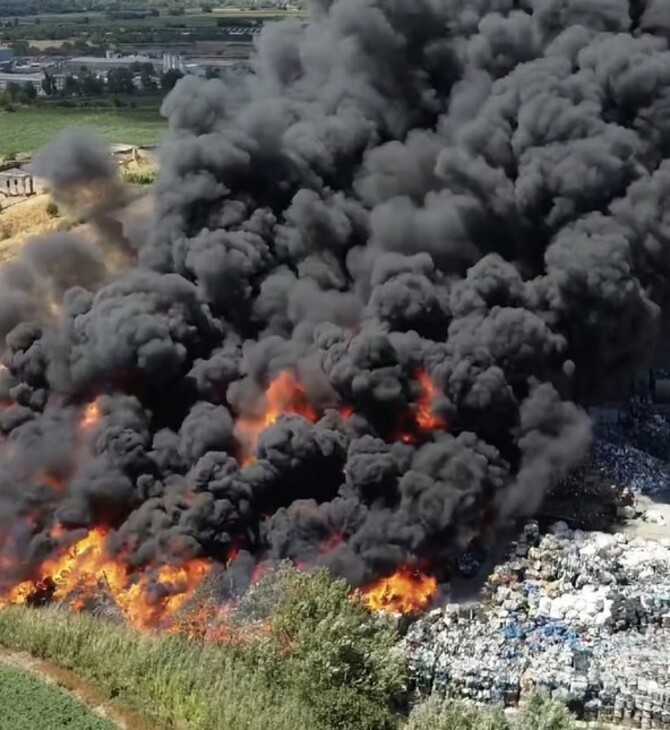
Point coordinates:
pixel 322 663
pixel 27 703
pixel 139 177
pixel 538 714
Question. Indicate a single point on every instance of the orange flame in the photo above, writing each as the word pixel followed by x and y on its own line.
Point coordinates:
pixel 421 419
pixel 425 418
pixel 285 394
pixel 85 568
pixel 406 591
pixel 91 416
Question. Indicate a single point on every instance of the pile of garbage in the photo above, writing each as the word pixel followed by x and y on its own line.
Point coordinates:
pixel 581 616
pixel 638 470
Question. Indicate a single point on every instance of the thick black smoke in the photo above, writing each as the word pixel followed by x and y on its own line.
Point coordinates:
pixel 471 189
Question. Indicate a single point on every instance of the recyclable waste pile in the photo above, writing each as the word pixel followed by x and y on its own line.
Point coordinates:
pixel 638 470
pixel 581 616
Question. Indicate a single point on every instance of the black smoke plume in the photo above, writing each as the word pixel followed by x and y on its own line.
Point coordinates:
pixel 474 190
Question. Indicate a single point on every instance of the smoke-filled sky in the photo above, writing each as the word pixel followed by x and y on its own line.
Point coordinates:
pixel 463 200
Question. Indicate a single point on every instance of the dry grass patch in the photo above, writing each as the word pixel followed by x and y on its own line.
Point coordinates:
pixel 26 219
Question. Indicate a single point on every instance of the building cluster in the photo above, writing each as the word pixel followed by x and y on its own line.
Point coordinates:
pixel 34 70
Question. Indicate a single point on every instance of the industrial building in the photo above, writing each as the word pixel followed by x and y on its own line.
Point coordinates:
pixel 6 55
pixel 22 79
pixel 98 64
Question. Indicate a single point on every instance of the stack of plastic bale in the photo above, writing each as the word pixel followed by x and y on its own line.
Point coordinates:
pixel 582 617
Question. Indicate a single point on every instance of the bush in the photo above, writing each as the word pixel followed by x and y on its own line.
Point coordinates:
pixel 52 209
pixel 332 653
pixel 139 177
pixel 542 714
pixel 437 714
pixel 537 714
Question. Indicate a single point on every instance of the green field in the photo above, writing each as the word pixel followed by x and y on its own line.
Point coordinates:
pixel 26 703
pixel 28 129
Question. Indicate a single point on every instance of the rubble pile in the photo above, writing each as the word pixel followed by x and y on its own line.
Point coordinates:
pixel 583 617
pixel 638 470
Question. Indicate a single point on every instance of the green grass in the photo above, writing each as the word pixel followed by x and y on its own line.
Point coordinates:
pixel 28 129
pixel 27 703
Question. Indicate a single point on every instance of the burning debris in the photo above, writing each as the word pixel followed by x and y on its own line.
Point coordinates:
pixel 386 275
pixel 405 592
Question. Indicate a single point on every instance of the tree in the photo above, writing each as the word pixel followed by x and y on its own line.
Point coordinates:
pixel 49 84
pixel 14 92
pixel 90 85
pixel 30 91
pixel 147 80
pixel 71 86
pixel 169 79
pixel 120 81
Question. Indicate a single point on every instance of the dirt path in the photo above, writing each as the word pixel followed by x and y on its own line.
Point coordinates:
pixel 95 700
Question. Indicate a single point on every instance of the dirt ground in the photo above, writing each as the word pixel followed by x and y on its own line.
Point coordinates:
pixel 86 693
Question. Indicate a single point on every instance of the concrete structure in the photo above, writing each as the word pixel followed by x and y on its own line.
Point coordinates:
pixel 173 62
pixel 99 64
pixel 22 80
pixel 16 183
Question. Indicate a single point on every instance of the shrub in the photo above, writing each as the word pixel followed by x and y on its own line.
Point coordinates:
pixel 438 714
pixel 332 653
pixel 543 714
pixel 538 714
pixel 140 177
pixel 52 209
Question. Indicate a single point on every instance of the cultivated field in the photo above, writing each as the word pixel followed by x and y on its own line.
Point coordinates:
pixel 26 703
pixel 28 129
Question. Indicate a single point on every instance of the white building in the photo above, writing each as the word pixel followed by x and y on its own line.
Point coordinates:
pixel 22 79
pixel 111 61
pixel 16 183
